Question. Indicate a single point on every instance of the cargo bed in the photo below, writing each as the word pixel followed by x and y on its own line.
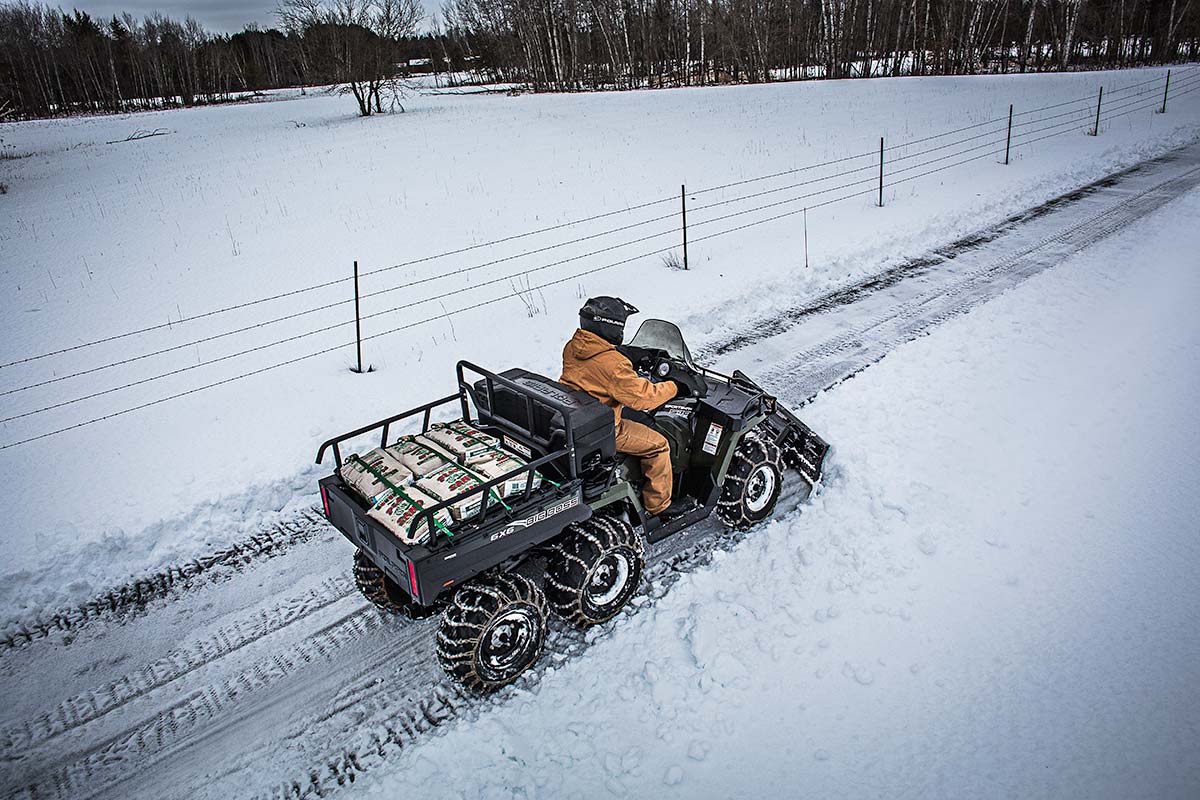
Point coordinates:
pixel 496 531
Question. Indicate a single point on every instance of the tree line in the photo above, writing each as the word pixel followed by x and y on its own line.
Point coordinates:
pixel 54 62
pixel 563 45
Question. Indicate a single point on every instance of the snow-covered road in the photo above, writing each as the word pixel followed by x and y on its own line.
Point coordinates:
pixel 280 679
pixel 996 594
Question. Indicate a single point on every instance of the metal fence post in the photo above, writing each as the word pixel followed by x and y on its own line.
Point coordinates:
pixel 806 237
pixel 357 320
pixel 1165 90
pixel 683 205
pixel 1099 100
pixel 881 172
pixel 1008 141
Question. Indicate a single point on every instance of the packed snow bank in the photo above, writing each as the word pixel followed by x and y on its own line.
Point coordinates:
pixel 100 236
pixel 994 596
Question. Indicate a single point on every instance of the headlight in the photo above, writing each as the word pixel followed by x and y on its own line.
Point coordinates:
pixel 663 369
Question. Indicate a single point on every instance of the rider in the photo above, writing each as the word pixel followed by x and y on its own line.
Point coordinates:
pixel 592 364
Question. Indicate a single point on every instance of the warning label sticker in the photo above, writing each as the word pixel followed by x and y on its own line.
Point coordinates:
pixel 712 438
pixel 517 447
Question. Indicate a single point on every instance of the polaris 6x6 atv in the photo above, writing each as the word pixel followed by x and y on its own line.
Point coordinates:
pixel 573 541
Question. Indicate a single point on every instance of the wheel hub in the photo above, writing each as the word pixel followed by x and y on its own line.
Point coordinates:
pixel 760 486
pixel 509 641
pixel 608 579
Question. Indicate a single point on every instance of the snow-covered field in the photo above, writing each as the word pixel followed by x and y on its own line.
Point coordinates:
pixel 101 236
pixel 995 595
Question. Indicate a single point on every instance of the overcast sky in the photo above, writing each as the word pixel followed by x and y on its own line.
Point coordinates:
pixel 219 16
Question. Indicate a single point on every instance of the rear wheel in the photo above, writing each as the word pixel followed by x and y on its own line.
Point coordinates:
pixel 752 483
pixel 493 631
pixel 377 587
pixel 594 570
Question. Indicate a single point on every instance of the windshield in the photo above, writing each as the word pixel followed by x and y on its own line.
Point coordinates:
pixel 662 335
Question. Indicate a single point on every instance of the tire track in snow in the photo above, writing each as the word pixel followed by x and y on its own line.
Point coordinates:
pixel 914 317
pixel 785 321
pixel 125 753
pixel 386 716
pixel 92 705
pixel 138 594
pixel 363 720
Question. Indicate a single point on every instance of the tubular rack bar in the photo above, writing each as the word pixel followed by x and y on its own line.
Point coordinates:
pixel 427 514
pixel 385 424
pixel 532 401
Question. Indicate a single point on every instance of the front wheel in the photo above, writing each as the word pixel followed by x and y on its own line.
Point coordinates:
pixel 752 483
pixel 493 631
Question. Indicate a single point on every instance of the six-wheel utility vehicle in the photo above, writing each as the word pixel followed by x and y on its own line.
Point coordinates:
pixel 573 543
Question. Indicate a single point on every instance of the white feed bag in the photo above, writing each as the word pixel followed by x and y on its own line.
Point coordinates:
pixel 496 463
pixel 452 480
pixel 374 475
pixel 398 511
pixel 420 456
pixel 460 439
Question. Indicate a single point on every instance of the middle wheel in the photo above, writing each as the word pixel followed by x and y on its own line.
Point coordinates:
pixel 594 570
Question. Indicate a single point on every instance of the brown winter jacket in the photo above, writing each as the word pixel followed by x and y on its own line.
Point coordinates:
pixel 592 364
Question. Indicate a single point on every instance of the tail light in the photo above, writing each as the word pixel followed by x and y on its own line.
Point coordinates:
pixel 412 579
pixel 325 501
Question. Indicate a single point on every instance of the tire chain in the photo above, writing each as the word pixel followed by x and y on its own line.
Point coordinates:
pixel 755 448
pixel 466 619
pixel 570 562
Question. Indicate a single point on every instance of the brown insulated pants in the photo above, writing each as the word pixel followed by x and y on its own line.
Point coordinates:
pixel 650 446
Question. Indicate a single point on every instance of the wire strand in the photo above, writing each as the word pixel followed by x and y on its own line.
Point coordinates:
pixel 334 282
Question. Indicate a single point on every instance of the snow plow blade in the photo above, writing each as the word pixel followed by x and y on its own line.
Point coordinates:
pixel 803 450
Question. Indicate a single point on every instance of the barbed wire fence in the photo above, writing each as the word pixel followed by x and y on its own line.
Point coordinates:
pixel 877 169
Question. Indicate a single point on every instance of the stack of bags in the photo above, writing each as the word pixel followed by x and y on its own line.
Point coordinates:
pixel 388 483
pixel 419 472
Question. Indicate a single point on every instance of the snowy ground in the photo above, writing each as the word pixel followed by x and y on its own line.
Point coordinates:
pixel 994 596
pixel 273 677
pixel 238 202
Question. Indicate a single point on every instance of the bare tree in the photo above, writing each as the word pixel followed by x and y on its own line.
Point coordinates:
pixel 353 45
pixel 1071 12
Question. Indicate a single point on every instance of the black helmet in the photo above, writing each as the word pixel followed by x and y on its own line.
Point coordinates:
pixel 605 317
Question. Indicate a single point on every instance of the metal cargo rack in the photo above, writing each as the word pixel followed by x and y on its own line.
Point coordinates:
pixel 478 536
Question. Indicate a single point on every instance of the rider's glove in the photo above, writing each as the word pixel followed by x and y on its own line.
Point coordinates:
pixel 690 385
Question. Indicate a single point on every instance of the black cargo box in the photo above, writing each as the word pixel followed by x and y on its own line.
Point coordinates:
pixel 590 420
